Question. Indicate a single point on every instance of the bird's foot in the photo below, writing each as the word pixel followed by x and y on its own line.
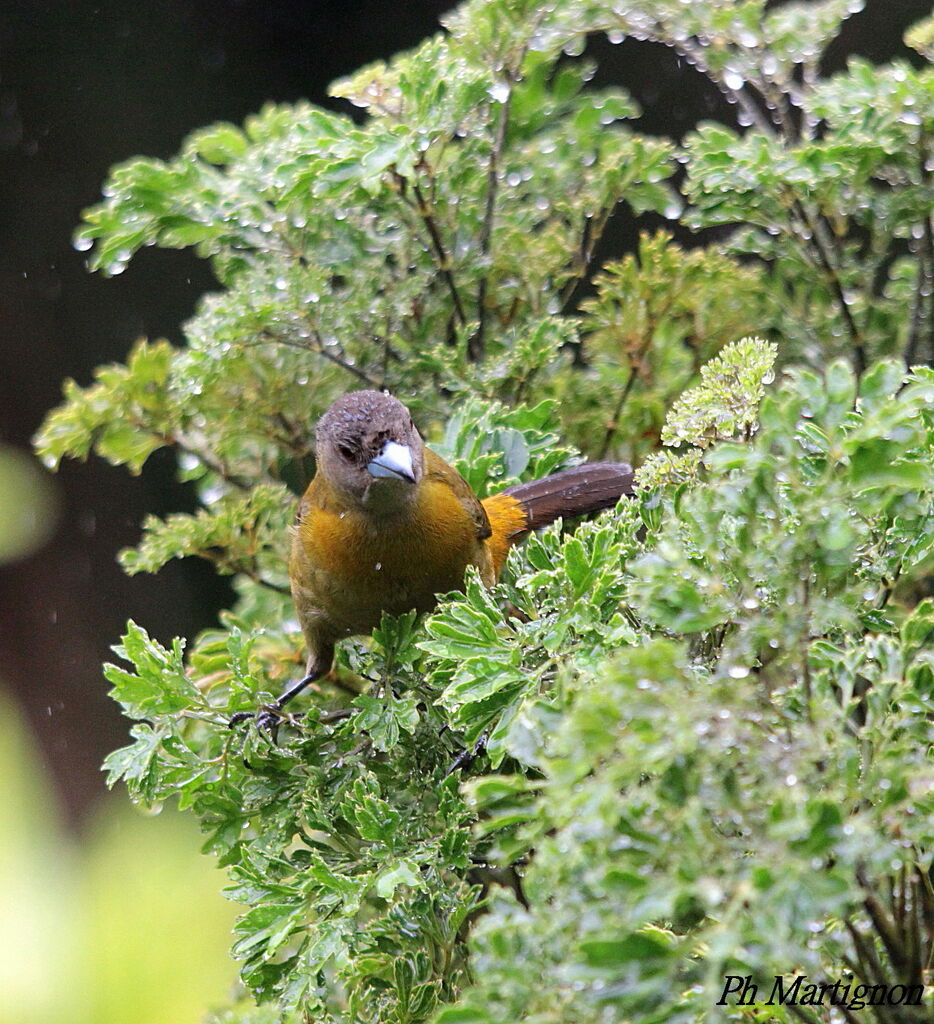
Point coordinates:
pixel 270 716
pixel 267 720
pixel 466 757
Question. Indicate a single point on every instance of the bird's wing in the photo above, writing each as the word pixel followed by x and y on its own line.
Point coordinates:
pixel 437 469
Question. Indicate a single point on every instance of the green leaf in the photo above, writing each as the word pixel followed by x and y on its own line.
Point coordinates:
pixel 613 953
pixel 404 873
pixel 160 684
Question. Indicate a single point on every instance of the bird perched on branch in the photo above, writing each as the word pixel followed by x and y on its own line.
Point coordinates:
pixel 386 525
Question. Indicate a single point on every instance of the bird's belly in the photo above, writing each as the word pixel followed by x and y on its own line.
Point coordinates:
pixel 349 572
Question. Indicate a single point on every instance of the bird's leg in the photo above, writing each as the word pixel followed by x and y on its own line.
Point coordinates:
pixel 270 715
pixel 466 757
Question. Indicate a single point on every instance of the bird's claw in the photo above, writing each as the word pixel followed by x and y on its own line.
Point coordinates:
pixel 267 720
pixel 466 757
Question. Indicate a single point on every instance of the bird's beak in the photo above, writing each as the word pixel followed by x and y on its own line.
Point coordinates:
pixel 395 461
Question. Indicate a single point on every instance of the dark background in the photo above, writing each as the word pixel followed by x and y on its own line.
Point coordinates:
pixel 82 86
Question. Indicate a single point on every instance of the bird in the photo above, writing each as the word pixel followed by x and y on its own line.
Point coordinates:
pixel 386 525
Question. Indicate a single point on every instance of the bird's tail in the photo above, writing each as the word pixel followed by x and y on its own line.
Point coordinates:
pixel 572 492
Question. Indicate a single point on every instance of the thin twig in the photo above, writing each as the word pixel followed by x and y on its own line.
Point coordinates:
pixel 338 360
pixel 826 263
pixel 880 276
pixel 590 237
pixel 917 308
pixel 790 131
pixel 476 344
pixel 319 348
pixel 915 942
pixel 335 680
pixel 696 55
pixel 261 581
pixel 441 254
pixel 809 123
pixel 805 643
pixel 870 967
pixel 186 443
pixel 613 425
pixel 848 1014
pixel 884 927
pixel 337 715
pixel 925 286
pixel 899 897
pixel 350 368
pixel 866 959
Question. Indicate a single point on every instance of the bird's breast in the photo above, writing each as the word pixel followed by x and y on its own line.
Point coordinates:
pixel 352 566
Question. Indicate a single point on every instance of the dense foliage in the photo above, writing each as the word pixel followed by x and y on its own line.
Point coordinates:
pixel 708 711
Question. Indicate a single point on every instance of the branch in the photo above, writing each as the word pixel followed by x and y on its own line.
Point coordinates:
pixel 444 260
pixel 696 56
pixel 624 396
pixel 239 567
pixel 590 238
pixel 884 926
pixel 782 117
pixel 915 941
pixel 476 344
pixel 186 443
pixel 319 348
pixel 880 276
pixel 826 264
pixel 809 123
pixel 261 581
pixel 868 962
pixel 870 968
pixel 925 286
pixel 337 715
pixel 336 680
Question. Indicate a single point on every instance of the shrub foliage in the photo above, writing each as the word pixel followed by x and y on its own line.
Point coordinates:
pixel 708 712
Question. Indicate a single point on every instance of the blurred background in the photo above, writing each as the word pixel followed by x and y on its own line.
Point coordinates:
pixel 98 902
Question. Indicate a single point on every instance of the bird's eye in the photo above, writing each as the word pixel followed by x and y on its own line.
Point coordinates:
pixel 347 452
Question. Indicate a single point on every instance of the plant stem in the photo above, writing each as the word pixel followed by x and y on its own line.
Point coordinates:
pixel 822 249
pixel 476 345
pixel 423 209
pixel 613 425
pixel 590 237
pixel 922 317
